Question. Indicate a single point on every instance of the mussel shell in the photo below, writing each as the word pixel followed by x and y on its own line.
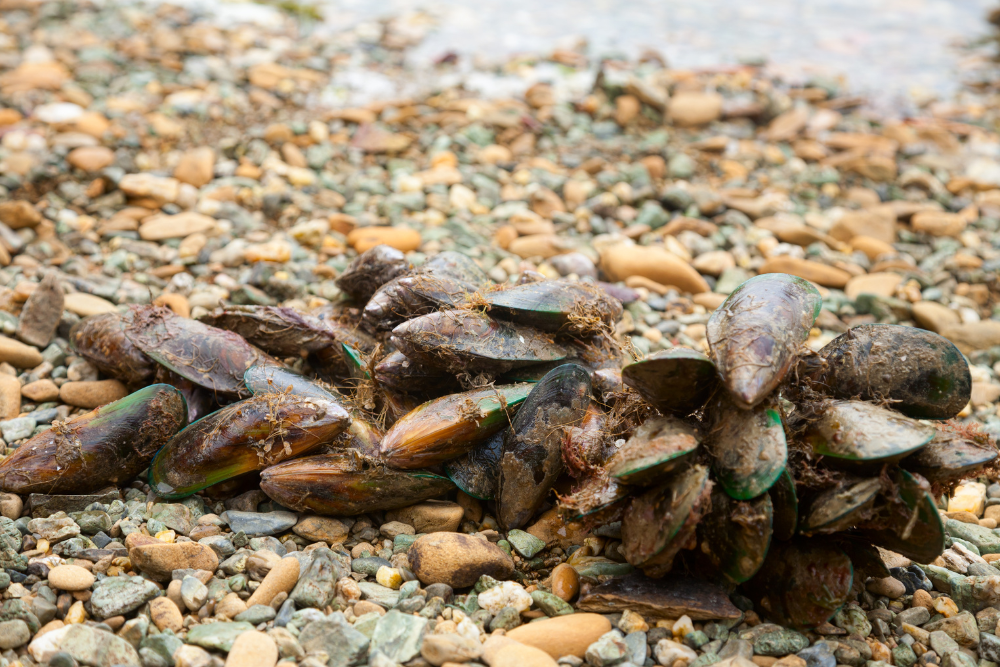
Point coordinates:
pixel 676 381
pixel 400 373
pixel 861 435
pixel 748 447
pixel 586 446
pixel 345 483
pixel 199 400
pixel 370 270
pixel 447 427
pixel 661 521
pixel 532 449
pixel 802 583
pixel 659 446
pixel 105 447
pixel 840 507
pixel 918 372
pixel 949 457
pixel 362 434
pixel 357 366
pixel 101 340
pixel 754 337
pixel 209 357
pixel 446 279
pixel 734 538
pixel 468 341
pixel 284 332
pixel 919 537
pixel 566 306
pixel 785 502
pixel 248 435
pixel 598 493
pixel 478 472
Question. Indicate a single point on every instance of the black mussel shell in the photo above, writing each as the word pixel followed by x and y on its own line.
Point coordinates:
pixel 676 381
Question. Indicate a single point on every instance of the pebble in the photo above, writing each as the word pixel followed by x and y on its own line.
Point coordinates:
pixel 85 305
pixel 563 635
pixel 253 649
pixel 13 634
pixel 92 394
pixel 70 578
pixel 520 655
pixel 160 560
pixel 91 158
pixel 281 579
pixel 262 523
pixel 400 238
pixel 431 516
pixel 321 529
pixel 19 214
pixel 18 354
pixel 887 586
pixel 457 560
pixel 622 260
pixel 10 397
pixel 565 582
pixel 41 313
pixel 165 614
pixel 450 647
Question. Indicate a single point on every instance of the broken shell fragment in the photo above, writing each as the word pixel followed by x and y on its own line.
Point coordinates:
pixel 676 381
pixel 107 446
pixel 531 460
pixel 755 336
pixel 447 427
pixel 916 372
pixel 569 307
pixel 858 435
pixel 468 341
pixel 346 483
pixel 248 435
pixel 660 445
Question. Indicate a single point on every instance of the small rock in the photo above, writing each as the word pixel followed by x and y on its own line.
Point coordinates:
pixel 610 649
pixel 887 586
pixel 217 636
pixel 345 646
pixel 253 649
pixel 13 634
pixel 565 582
pixel 563 635
pixel 91 158
pixel 92 394
pixel 160 560
pixel 399 636
pixel 281 579
pixel 41 312
pixel 506 594
pixel 519 655
pixel 260 523
pixel 450 647
pixel 431 516
pixel 321 529
pixel 166 615
pixel 526 545
pixel 70 578
pixel 18 354
pixel 19 214
pixel 457 559
pixel 693 108
pixel 115 596
pixel 87 645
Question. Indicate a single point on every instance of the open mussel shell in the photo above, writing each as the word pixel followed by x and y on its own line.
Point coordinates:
pixel 570 307
pixel 659 446
pixel 676 381
pixel 346 483
pixel 468 341
pixel 949 457
pixel 101 340
pixel 859 435
pixel 209 357
pixel 910 523
pixel 748 448
pixel 105 447
pixel 478 472
pixel 245 436
pixel 841 507
pixel 734 538
pixel 917 372
pixel 400 373
pixel 445 280
pixel 661 521
pixel 802 583
pixel 755 336
pixel 362 435
pixel 531 459
pixel 785 504
pixel 447 427
pixel 370 270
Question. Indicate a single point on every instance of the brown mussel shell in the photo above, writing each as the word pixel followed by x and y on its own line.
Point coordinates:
pixel 569 307
pixel 917 372
pixel 101 340
pixel 676 381
pixel 345 483
pixel 755 336
pixel 748 448
pixel 949 457
pixel 863 436
pixel 659 446
pixel 107 446
pixel 370 270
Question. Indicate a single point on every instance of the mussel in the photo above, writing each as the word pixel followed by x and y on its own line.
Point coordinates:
pixel 659 446
pixel 370 270
pixel 755 336
pixel 949 457
pixel 908 522
pixel 661 521
pixel 734 538
pixel 916 372
pixel 748 448
pixel 468 341
pixel 841 507
pixel 785 506
pixel 396 371
pixel 677 381
pixel 209 357
pixel 447 427
pixel 531 459
pixel 568 307
pixel 107 446
pixel 101 340
pixel 859 435
pixel 248 435
pixel 346 483
pixel 478 472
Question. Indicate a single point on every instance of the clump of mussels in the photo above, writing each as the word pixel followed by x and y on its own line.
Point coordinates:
pixel 759 466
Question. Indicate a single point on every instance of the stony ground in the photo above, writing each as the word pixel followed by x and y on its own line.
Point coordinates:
pixel 154 156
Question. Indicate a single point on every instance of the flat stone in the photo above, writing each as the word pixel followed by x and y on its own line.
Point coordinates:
pixel 260 523
pixel 430 516
pixel 88 646
pixel 670 597
pixel 257 614
pixel 160 560
pixel 174 516
pixel 380 595
pixel 322 529
pixel 70 578
pixel 317 585
pixel 13 634
pixel 984 539
pixel 165 614
pixel 525 544
pixel 942 644
pixel 54 528
pixel 18 428
pixel 457 559
pixel 19 355
pixel 116 596
pixel 345 646
pixel 449 647
pixel 551 604
pixel 163 227
pixel 217 636
pixel 399 636
pixel 780 642
pixel 42 505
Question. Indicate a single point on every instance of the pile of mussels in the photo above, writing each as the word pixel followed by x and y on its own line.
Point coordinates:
pixel 762 465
